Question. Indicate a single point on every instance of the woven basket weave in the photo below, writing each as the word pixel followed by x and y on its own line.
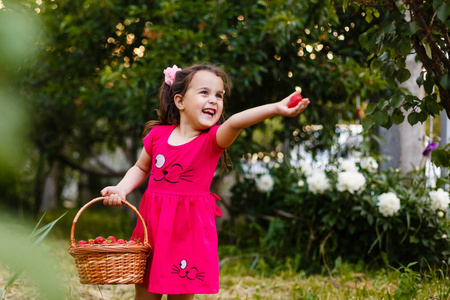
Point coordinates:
pixel 111 263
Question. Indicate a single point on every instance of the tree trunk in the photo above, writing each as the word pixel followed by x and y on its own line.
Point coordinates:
pixel 404 143
pixel 50 191
pixel 39 182
pixel 445 136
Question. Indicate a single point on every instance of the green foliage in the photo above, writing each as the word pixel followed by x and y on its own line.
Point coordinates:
pixel 95 77
pixel 312 218
pixel 412 282
pixel 440 275
pixel 417 28
pixel 17 37
pixel 408 285
pixel 441 156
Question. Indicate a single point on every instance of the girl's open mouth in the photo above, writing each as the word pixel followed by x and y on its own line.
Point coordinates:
pixel 210 112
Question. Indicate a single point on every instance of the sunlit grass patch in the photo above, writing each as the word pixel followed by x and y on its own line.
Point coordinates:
pixel 237 282
pixel 21 289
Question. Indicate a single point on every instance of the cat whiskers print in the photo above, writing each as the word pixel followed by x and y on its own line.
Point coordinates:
pixel 190 274
pixel 172 174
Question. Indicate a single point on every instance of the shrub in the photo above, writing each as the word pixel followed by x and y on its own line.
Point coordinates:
pixel 344 209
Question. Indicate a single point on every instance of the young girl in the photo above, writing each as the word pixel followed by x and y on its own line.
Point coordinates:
pixel 180 154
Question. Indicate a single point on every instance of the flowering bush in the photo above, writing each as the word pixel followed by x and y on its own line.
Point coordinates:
pixel 345 208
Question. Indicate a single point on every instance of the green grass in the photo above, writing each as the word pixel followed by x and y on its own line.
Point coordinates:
pixel 237 282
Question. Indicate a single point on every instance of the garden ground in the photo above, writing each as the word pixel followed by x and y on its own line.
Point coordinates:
pixel 237 284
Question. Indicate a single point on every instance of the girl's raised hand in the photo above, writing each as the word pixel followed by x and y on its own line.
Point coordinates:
pixel 288 108
pixel 113 196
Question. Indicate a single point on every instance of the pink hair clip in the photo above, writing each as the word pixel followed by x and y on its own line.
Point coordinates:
pixel 170 73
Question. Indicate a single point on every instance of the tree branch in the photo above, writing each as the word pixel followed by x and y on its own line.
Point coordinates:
pixel 436 50
pixel 63 159
pixel 288 215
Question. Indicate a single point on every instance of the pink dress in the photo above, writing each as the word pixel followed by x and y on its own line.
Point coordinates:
pixel 180 212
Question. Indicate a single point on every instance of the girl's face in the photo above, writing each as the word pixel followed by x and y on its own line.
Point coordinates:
pixel 202 104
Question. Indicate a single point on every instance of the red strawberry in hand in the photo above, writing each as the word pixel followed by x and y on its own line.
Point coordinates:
pixel 294 100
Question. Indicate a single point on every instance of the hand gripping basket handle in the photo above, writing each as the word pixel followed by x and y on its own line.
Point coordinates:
pixel 72 231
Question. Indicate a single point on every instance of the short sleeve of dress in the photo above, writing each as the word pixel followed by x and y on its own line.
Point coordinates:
pixel 148 141
pixel 213 136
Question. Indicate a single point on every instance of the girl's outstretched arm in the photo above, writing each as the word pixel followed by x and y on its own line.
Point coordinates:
pixel 230 129
pixel 132 179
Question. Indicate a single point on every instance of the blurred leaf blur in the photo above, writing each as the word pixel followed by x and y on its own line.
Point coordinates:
pixel 18 36
pixel 23 252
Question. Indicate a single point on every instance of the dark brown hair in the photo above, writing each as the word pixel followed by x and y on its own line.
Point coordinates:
pixel 168 113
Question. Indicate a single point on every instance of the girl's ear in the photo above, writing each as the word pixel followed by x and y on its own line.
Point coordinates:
pixel 179 103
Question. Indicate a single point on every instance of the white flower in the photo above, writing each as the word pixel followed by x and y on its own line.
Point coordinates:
pixel 369 163
pixel 264 184
pixel 301 183
pixel 227 184
pixel 348 165
pixel 350 181
pixel 318 182
pixel 306 168
pixel 439 199
pixel 388 204
pixel 440 214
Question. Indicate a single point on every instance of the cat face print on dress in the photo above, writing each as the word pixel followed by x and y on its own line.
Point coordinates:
pixel 170 173
pixel 184 272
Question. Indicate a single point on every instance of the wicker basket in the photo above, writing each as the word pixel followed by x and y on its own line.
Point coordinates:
pixel 112 263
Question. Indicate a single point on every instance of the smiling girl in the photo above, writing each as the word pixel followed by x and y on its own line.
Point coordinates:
pixel 180 155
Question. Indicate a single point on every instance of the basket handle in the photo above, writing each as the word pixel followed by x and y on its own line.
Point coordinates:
pixel 72 231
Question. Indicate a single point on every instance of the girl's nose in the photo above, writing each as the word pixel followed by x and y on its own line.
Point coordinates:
pixel 212 99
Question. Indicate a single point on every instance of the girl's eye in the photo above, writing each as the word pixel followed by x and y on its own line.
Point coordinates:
pixel 204 92
pixel 219 96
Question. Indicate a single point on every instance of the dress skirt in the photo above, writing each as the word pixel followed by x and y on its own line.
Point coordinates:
pixel 182 234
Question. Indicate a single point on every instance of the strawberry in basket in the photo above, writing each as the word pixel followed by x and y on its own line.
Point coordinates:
pixel 108 241
pixel 99 240
pixel 112 239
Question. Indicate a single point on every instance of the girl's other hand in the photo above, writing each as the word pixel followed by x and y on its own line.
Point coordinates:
pixel 113 196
